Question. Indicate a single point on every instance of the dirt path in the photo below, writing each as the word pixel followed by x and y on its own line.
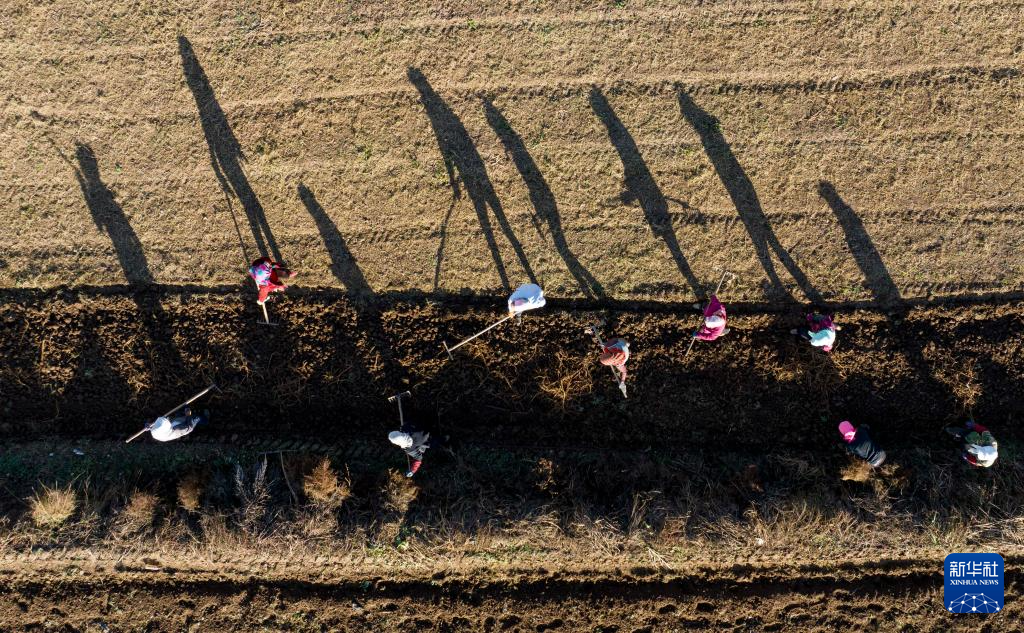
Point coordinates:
pixel 851 153
pixel 900 596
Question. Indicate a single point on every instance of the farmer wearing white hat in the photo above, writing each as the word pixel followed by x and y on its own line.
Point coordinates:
pixel 414 442
pixel 820 331
pixel 714 321
pixel 979 448
pixel 164 429
pixel 859 443
pixel 526 297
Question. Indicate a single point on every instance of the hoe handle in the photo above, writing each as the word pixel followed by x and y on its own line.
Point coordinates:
pixel 483 331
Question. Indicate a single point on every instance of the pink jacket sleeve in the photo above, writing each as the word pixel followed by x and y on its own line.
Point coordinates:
pixel 714 307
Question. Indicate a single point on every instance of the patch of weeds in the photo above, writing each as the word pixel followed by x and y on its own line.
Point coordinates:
pixel 541 135
pixel 402 538
pixel 247 20
pixel 52 507
pixel 324 488
pixel 190 491
pixel 440 174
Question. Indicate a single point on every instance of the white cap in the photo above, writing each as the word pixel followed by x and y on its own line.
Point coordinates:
pixel 714 321
pixel 402 440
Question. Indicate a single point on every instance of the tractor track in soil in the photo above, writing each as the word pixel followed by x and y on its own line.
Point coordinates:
pixel 862 596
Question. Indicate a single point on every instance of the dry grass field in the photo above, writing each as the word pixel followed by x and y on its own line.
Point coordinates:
pixel 414 161
pixel 845 151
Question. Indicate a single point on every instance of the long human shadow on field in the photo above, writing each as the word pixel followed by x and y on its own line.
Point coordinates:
pixel 886 294
pixel 640 185
pixel 347 271
pixel 226 154
pixel 110 218
pixel 744 197
pixel 545 207
pixel 460 155
pixel 343 264
pixel 869 260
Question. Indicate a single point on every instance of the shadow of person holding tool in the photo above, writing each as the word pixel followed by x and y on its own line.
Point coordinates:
pixel 545 207
pixel 384 368
pixel 460 155
pixel 640 185
pixel 165 365
pixel 343 264
pixel 111 219
pixel 746 201
pixel 226 155
pixel 912 342
pixel 869 260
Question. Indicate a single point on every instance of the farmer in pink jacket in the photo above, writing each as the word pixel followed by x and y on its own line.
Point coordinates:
pixel 714 321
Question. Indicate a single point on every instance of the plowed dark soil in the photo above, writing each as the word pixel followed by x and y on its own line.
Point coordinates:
pixel 80 364
pixel 896 597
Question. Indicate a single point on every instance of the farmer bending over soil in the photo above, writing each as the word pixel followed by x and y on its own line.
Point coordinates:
pixel 267 274
pixel 820 331
pixel 414 442
pixel 859 443
pixel 714 321
pixel 977 445
pixel 165 429
pixel 615 352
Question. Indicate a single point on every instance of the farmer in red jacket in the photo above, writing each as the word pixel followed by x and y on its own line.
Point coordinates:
pixel 267 274
pixel 615 353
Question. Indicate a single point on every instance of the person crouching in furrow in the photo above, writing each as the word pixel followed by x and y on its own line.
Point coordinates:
pixel 859 443
pixel 165 429
pixel 820 331
pixel 977 445
pixel 415 444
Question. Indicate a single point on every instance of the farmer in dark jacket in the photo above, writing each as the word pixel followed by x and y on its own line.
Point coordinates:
pixel 414 442
pixel 859 443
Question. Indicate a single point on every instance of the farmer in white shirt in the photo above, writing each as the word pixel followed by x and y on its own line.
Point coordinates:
pixel 165 429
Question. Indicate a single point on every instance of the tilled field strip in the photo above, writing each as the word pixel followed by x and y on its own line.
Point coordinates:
pixel 852 596
pixel 95 366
